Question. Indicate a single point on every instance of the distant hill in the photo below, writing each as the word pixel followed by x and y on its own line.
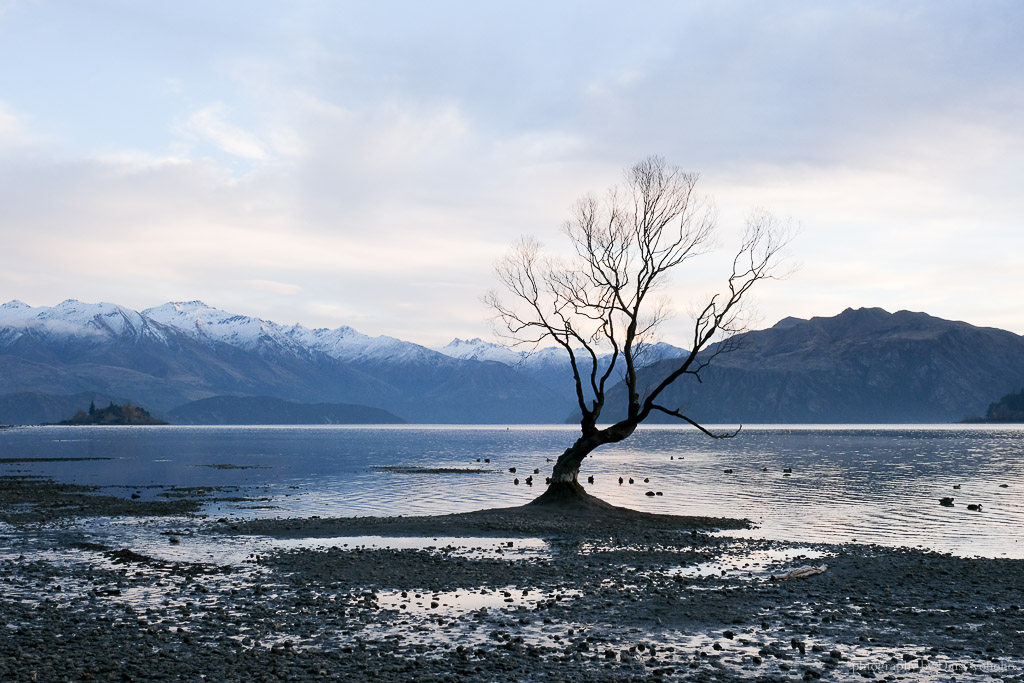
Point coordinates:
pixel 861 366
pixel 126 414
pixel 264 410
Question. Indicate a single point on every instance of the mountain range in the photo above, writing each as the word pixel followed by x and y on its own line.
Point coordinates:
pixel 165 357
pixel 864 365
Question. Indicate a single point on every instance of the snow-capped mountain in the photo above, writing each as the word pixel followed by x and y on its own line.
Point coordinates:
pixel 212 327
pixel 76 319
pixel 169 355
pixel 208 324
pixel 344 343
pixel 205 323
pixel 866 365
pixel 548 365
pixel 478 349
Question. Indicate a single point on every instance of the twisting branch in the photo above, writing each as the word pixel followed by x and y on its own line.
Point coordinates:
pixel 713 435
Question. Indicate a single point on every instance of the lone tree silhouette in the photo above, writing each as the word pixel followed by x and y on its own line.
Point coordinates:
pixel 604 300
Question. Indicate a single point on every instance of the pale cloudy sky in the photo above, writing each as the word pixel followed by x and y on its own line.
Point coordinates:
pixel 365 163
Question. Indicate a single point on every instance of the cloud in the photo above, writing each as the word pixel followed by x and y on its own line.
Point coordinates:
pixel 10 126
pixel 612 84
pixel 210 124
pixel 388 156
pixel 15 133
pixel 283 288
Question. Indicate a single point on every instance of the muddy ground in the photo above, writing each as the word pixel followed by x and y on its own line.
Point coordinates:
pixel 548 595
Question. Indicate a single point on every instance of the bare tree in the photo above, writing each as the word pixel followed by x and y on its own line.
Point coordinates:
pixel 604 301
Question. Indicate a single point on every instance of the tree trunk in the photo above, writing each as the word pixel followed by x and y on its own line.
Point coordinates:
pixel 567 467
pixel 564 485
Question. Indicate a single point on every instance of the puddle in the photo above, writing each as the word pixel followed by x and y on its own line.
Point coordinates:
pixel 453 604
pixel 757 564
pixel 736 562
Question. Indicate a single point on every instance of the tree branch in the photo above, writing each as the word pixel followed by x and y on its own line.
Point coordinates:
pixel 676 413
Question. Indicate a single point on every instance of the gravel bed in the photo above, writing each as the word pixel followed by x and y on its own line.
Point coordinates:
pixel 611 597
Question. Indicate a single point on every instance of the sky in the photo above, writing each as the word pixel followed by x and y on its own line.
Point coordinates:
pixel 367 163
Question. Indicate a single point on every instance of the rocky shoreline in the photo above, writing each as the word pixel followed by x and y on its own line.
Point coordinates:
pixel 527 595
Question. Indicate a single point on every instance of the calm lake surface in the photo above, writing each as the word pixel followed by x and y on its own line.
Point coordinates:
pixel 876 484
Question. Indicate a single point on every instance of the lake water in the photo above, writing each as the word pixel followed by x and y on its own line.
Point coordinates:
pixel 875 484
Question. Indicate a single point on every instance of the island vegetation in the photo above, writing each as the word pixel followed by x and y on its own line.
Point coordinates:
pixel 126 414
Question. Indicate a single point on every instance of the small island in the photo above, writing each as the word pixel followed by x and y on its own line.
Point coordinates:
pixel 1008 409
pixel 126 414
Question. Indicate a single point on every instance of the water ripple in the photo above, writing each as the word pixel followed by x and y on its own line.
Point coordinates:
pixel 870 484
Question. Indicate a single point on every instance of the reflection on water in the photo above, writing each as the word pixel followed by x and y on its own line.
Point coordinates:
pixel 878 484
pixel 752 564
pixel 454 604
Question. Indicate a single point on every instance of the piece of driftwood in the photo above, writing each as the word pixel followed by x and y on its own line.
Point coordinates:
pixel 801 573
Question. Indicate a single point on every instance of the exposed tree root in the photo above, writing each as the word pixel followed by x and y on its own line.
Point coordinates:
pixel 570 496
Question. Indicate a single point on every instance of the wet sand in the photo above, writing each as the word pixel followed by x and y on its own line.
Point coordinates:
pixel 535 595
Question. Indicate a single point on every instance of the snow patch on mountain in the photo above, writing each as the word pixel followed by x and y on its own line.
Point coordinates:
pixel 547 357
pixel 204 322
pixel 12 307
pixel 73 318
pixel 478 349
pixel 344 343
pixel 210 325
pixel 197 320
pixel 652 353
